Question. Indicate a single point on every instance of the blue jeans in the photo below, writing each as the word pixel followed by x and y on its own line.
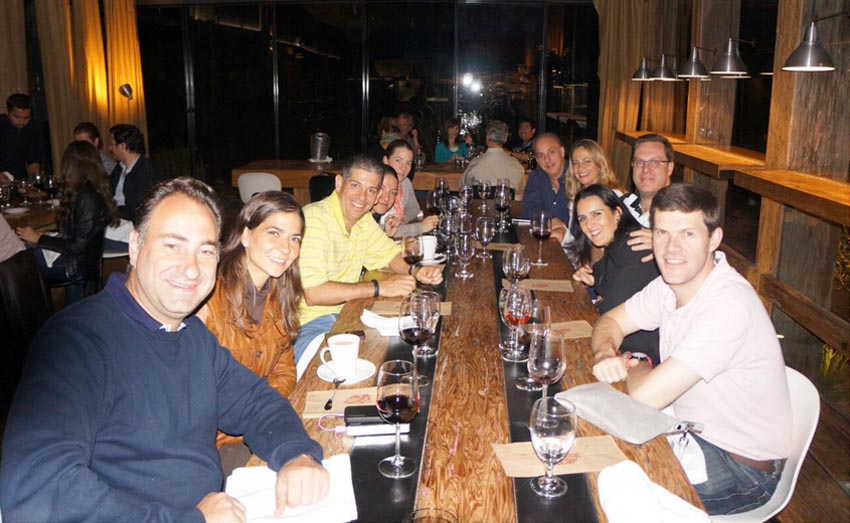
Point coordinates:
pixel 732 486
pixel 310 330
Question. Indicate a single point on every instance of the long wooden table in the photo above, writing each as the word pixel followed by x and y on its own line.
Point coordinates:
pixel 296 174
pixel 458 469
pixel 39 216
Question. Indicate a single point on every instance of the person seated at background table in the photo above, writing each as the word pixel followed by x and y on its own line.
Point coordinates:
pixel 495 164
pixel 88 132
pixel 135 174
pixel 253 310
pixel 10 244
pixel 448 146
pixel 399 156
pixel 85 210
pixel 340 239
pixel 21 144
pixel 525 132
pixel 388 131
pixel 116 413
pixel 605 223
pixel 721 364
pixel 545 189
pixel 407 128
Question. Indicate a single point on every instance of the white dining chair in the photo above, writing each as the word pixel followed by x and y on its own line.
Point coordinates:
pixel 805 412
pixel 252 183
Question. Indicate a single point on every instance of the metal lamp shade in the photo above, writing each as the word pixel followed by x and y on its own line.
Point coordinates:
pixel 642 74
pixel 693 68
pixel 809 56
pixel 126 91
pixel 663 71
pixel 730 63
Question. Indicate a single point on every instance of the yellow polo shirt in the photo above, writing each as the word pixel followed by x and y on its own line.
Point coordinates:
pixel 330 253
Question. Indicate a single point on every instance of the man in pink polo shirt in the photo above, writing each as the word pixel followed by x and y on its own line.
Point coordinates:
pixel 721 364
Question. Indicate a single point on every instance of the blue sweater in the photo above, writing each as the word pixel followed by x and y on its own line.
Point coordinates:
pixel 116 422
pixel 539 196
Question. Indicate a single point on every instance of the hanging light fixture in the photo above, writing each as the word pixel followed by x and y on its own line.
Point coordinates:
pixel 643 74
pixel 730 62
pixel 810 56
pixel 693 68
pixel 663 71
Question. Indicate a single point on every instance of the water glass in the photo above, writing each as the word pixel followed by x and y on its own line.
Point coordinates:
pixel 553 431
pixel 485 229
pixel 515 264
pixel 465 250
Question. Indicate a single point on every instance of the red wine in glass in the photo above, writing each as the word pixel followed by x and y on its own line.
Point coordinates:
pixel 541 234
pixel 501 207
pixel 517 319
pixel 416 335
pixel 398 408
pixel 413 259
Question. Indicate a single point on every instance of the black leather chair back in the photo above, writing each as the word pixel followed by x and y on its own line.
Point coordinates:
pixel 321 186
pixel 25 304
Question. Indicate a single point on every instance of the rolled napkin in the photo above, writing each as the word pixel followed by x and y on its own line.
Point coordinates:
pixel 254 488
pixel 628 495
pixel 385 326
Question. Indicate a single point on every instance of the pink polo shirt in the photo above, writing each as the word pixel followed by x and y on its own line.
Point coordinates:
pixel 725 335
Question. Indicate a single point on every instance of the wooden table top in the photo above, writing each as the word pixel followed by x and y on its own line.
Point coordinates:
pixel 458 470
pixel 630 137
pixel 39 216
pixel 717 161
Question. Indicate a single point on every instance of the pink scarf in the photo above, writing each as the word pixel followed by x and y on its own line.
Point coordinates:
pixel 398 205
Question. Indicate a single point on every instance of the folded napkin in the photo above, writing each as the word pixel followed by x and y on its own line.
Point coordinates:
pixel 388 308
pixel 534 284
pixel 254 488
pixel 314 407
pixel 628 495
pixel 121 232
pixel 587 455
pixel 572 329
pixel 385 326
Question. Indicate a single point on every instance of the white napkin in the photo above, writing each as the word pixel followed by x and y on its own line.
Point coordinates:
pixel 50 257
pixel 628 495
pixel 254 488
pixel 120 233
pixel 385 326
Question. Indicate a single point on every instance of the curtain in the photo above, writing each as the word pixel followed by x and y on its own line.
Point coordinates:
pixel 622 36
pixel 125 65
pixel 54 35
pixel 13 50
pixel 90 85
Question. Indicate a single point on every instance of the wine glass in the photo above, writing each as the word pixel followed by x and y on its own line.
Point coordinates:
pixel 38 182
pixel 23 185
pixel 5 195
pixel 398 402
pixel 466 225
pixel 546 361
pixel 515 264
pixel 425 350
pixel 502 201
pixel 466 193
pixel 51 187
pixel 484 190
pixel 416 325
pixel 465 250
pixel 541 228
pixel 538 325
pixel 485 228
pixel 412 250
pixel 434 201
pixel 553 431
pixel 442 186
pixel 515 306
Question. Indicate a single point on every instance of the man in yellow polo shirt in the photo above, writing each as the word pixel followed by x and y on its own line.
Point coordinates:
pixel 340 238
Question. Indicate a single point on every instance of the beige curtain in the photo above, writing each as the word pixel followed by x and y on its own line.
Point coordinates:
pixel 13 50
pixel 54 36
pixel 90 86
pixel 125 65
pixel 622 36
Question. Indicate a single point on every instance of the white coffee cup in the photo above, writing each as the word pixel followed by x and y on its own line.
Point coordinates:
pixel 344 349
pixel 429 247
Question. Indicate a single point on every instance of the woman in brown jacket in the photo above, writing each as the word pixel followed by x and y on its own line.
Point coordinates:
pixel 253 310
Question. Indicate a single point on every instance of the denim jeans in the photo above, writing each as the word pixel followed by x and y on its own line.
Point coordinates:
pixel 310 330
pixel 732 486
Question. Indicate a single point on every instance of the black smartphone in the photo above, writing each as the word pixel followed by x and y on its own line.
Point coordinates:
pixel 362 415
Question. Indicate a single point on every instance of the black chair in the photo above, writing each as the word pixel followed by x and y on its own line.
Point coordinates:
pixel 25 304
pixel 88 282
pixel 321 186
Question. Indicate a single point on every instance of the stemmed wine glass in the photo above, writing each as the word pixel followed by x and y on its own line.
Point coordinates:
pixel 538 325
pixel 484 190
pixel 546 361
pixel 553 431
pixel 466 193
pixel 38 180
pixel 416 324
pixel 502 201
pixel 434 201
pixel 465 250
pixel 442 186
pixel 398 402
pixel 515 264
pixel 425 350
pixel 23 187
pixel 541 228
pixel 51 187
pixel 485 228
pixel 413 252
pixel 5 195
pixel 515 306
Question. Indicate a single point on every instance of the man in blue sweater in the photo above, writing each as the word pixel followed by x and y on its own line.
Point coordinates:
pixel 115 417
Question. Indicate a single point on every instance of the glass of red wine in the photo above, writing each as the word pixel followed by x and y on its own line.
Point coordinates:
pixel 413 250
pixel 515 306
pixel 541 228
pixel 546 358
pixel 502 201
pixel 538 325
pixel 416 324
pixel 398 402
pixel 38 180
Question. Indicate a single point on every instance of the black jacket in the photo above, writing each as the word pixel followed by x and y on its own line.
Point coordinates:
pixel 80 237
pixel 138 182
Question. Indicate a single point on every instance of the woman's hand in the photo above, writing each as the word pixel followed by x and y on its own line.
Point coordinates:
pixel 430 223
pixel 28 234
pixel 584 274
pixel 391 225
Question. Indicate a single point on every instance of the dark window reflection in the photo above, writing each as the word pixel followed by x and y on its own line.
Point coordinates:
pixel 752 100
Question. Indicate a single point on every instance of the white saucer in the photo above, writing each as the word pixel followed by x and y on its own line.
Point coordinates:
pixel 365 369
pixel 436 260
pixel 16 210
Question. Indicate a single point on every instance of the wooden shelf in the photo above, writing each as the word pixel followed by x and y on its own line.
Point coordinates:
pixel 630 137
pixel 820 197
pixel 717 161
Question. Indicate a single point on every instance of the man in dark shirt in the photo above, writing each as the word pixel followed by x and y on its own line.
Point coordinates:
pixel 116 414
pixel 21 149
pixel 134 175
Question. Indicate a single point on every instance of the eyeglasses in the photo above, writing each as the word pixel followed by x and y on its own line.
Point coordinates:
pixel 652 164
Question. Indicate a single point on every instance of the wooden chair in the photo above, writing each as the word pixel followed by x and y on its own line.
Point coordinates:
pixel 252 183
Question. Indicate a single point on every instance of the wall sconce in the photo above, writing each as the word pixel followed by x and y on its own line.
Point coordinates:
pixel 126 91
pixel 810 56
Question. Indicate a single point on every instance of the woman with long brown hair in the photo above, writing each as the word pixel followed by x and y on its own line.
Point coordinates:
pixel 85 210
pixel 253 310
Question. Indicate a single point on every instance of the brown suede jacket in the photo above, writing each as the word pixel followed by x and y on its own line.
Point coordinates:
pixel 264 349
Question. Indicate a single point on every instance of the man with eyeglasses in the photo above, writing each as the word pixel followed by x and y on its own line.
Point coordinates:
pixel 652 166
